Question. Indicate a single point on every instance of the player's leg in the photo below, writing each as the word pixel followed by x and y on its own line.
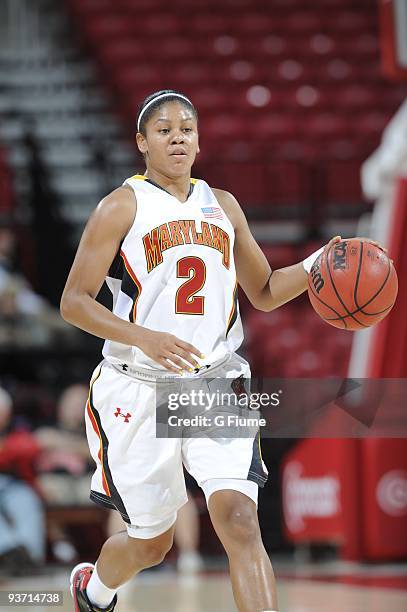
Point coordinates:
pixel 115 523
pixel 122 556
pixel 234 517
pixel 232 504
pixel 227 464
pixel 120 427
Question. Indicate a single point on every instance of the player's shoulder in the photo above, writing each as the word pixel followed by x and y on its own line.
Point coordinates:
pixel 230 205
pixel 226 200
pixel 117 209
pixel 121 201
pixel 123 195
pixel 225 196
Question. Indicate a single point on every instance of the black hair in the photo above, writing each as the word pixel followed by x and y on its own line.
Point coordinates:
pixel 172 95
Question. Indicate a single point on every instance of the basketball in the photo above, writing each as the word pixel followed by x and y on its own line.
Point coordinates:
pixel 352 284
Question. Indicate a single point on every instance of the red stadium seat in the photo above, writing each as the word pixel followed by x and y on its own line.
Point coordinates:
pixel 131 77
pixel 201 6
pixel 174 47
pixel 343 181
pixel 210 99
pixel 193 73
pixel 302 21
pixel 233 151
pixel 139 8
pixel 371 123
pixel 280 255
pixel 221 125
pixel 121 52
pixel 271 45
pixel 357 96
pixel 352 20
pixel 358 48
pixel 285 180
pixel 249 186
pixel 166 25
pixel 207 23
pixel 106 26
pixel 253 24
pixel 275 125
pixel 327 125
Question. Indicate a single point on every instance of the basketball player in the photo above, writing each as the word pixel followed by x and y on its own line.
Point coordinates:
pixel 172 250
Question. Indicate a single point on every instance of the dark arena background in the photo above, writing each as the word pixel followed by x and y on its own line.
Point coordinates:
pixel 303 117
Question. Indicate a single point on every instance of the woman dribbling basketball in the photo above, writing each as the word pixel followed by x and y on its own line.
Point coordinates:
pixel 172 251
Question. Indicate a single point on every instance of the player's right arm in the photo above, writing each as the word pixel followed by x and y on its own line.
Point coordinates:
pixel 101 239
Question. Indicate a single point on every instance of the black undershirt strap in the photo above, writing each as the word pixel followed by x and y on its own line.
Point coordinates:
pixel 191 187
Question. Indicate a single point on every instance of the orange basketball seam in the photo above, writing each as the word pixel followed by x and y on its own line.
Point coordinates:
pixel 328 306
pixel 360 308
pixel 337 292
pixel 366 314
pixel 324 303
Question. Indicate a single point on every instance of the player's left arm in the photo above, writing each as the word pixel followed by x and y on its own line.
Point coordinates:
pixel 266 289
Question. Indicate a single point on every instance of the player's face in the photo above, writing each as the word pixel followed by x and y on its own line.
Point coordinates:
pixel 171 142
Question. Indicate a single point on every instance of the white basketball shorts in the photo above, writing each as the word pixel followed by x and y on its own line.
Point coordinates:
pixel 141 475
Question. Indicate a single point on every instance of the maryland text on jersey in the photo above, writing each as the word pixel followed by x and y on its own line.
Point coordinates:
pixel 180 232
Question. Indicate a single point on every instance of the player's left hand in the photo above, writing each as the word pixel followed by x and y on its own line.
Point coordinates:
pixel 336 239
pixel 333 241
pixel 374 242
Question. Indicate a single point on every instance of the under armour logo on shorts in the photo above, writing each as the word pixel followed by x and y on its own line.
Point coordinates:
pixel 126 417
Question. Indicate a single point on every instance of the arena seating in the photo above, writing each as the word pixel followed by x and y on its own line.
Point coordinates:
pixel 293 342
pixel 291 87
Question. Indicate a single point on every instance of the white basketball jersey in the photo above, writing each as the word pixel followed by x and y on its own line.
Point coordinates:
pixel 175 273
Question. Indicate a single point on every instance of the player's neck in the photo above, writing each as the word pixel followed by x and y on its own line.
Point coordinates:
pixel 179 187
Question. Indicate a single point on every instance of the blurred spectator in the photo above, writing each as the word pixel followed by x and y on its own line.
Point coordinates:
pixel 25 317
pixel 65 465
pixel 22 524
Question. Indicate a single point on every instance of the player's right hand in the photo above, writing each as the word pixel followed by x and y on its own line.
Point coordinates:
pixel 169 351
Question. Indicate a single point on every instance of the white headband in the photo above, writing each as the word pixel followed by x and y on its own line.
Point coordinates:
pixel 164 95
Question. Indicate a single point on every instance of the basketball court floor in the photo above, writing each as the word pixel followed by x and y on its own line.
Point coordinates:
pixel 324 590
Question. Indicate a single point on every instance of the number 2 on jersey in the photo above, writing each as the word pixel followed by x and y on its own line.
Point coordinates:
pixel 186 302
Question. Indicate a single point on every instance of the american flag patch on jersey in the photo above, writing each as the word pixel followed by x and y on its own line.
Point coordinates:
pixel 212 212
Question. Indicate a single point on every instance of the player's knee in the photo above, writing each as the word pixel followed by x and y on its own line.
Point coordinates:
pixel 242 527
pixel 151 552
pixel 238 521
